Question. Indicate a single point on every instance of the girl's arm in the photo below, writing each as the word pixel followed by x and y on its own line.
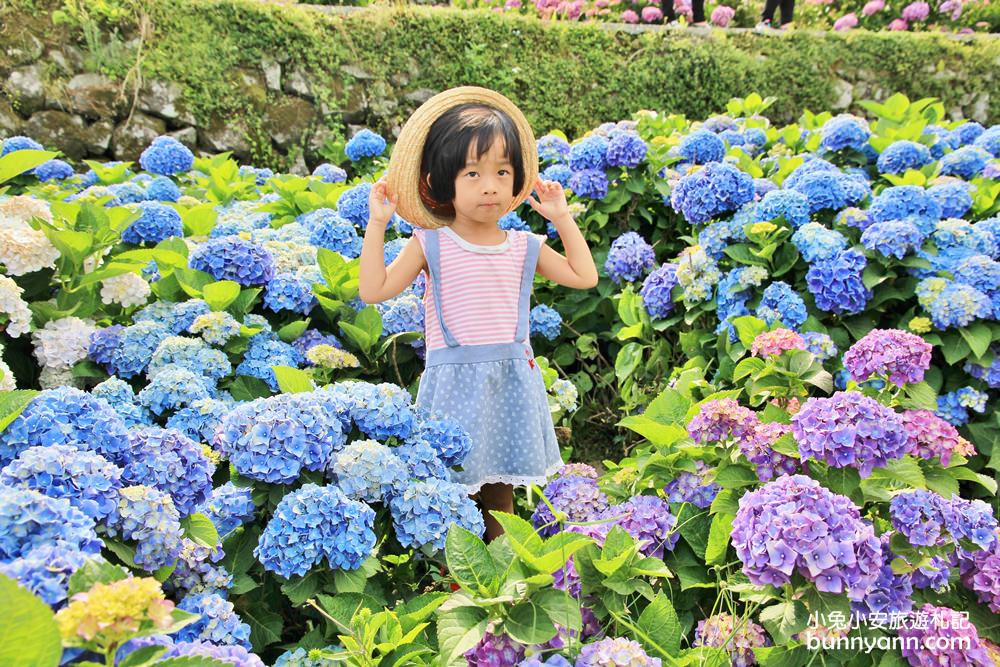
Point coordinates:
pixel 376 282
pixel 576 269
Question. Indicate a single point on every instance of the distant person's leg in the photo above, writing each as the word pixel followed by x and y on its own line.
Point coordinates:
pixel 667 7
pixel 787 11
pixel 767 17
pixel 698 12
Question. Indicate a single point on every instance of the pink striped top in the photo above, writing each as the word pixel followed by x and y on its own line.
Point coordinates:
pixel 480 288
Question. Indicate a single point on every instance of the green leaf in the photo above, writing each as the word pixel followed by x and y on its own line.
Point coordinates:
pixel 219 295
pixel 784 620
pixel 470 562
pixel 458 630
pixel 143 656
pixel 94 570
pixel 357 335
pixel 246 388
pixel 670 407
pixel 265 625
pixel 12 403
pixel 718 539
pixel 16 163
pixel 748 327
pixel 529 623
pixel 920 396
pixel 300 589
pixel 370 321
pixel 979 336
pixel 243 303
pixel 560 607
pixel 239 550
pixel 28 635
pixel 192 281
pixel 735 476
pixel 200 529
pixel 659 620
pixel 292 380
pixel 292 330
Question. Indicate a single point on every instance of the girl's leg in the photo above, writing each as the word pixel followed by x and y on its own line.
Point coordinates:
pixel 769 7
pixel 667 7
pixel 498 497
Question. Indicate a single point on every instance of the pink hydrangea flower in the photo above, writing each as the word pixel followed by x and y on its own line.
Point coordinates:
pixel 651 14
pixel 916 11
pixel 899 24
pixel 775 342
pixel 629 16
pixel 722 15
pixel 873 7
pixel 846 22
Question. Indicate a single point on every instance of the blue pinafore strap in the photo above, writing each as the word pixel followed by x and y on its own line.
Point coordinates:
pixel 456 353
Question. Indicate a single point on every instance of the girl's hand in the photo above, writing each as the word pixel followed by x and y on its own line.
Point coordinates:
pixel 551 203
pixel 379 211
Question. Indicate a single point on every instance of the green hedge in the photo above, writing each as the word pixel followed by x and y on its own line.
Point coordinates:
pixel 567 76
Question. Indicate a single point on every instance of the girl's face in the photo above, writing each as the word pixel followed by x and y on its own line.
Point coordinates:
pixel 484 188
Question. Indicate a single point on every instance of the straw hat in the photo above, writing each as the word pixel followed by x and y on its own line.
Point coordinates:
pixel 403 173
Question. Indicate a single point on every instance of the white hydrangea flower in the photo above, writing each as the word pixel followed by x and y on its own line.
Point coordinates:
pixel 14 307
pixel 564 394
pixel 24 249
pixel 63 342
pixel 23 208
pixel 52 377
pixel 128 289
pixel 7 382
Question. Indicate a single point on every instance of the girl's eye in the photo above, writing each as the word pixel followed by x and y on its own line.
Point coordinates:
pixel 471 173
pixel 504 171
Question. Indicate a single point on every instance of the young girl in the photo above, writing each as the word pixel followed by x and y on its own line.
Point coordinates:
pixel 465 159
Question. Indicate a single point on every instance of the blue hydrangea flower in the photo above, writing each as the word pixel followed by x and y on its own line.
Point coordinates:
pixel 820 345
pixel 45 571
pixel 836 283
pixel 329 230
pixel 216 328
pixel 237 656
pixel 693 487
pixel 353 204
pixel 424 511
pixel 312 523
pixel 292 291
pixel 697 274
pixel 219 623
pixel 177 317
pixel 66 416
pixel 952 304
pixel 174 387
pixel 954 406
pixel 589 183
pixel 816 242
pixel 590 153
pixel 368 470
pixel 86 479
pixel 781 303
pixel 629 257
pixel 313 337
pixel 964 134
pixel 229 507
pixel 649 521
pixel 166 156
pixel 792 205
pixel 731 300
pixel 980 272
pixel 162 188
pixel 892 238
pixel 711 191
pixel 558 172
pixel 29 520
pixel 823 189
pixel 273 439
pixel 330 173
pixel 126 193
pixel 147 517
pixel 702 147
pixel 53 170
pixel 626 149
pixel 844 132
pixel 965 162
pixel 171 462
pixel 856 188
pixel 954 197
pixel 513 221
pixel 961 234
pixel 156 222
pixel 422 459
pixel 232 258
pixel 383 411
pixel 103 343
pixel 810 166
pixel 902 155
pixel 447 437
pixel 552 148
pixel 890 593
pixel 20 143
pixel 545 321
pixel 656 291
pixel 364 144
pixel 121 397
pixel 196 571
pixel 264 352
pixel 715 237
pixel 989 141
pixel 191 353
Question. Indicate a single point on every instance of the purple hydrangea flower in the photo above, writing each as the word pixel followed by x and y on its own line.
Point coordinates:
pixel 630 257
pixel 943 641
pixel 738 637
pixel 900 355
pixel 578 497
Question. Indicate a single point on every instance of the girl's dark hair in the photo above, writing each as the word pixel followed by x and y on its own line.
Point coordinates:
pixel 447 148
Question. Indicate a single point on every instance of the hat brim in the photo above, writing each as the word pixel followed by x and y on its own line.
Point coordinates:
pixel 403 173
